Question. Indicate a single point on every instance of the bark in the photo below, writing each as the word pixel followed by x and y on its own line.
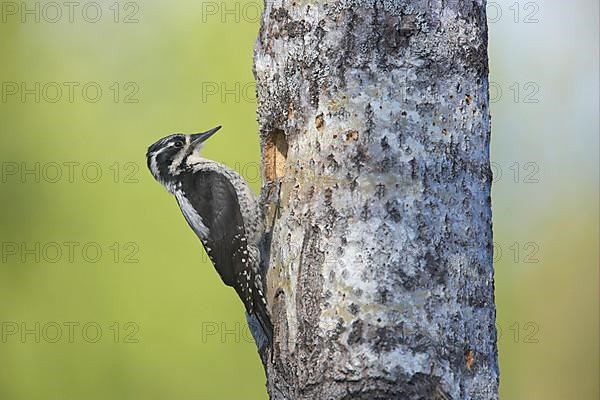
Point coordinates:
pixel 375 147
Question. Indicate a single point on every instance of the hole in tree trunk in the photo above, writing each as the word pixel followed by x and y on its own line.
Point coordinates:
pixel 275 155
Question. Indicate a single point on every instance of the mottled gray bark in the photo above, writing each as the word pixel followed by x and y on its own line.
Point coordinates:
pixel 375 134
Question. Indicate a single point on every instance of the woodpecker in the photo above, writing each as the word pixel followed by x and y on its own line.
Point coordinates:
pixel 221 209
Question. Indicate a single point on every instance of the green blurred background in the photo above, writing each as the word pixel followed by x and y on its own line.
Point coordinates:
pixel 169 328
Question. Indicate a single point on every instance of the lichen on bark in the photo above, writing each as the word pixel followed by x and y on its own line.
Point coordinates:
pixel 380 276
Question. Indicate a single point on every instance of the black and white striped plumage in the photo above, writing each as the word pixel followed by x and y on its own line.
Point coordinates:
pixel 221 209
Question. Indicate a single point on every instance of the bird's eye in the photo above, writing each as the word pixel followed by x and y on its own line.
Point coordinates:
pixel 178 143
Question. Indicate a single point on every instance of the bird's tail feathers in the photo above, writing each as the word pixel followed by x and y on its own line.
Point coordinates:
pixel 265 321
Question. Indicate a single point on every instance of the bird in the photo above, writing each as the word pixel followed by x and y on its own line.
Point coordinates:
pixel 221 209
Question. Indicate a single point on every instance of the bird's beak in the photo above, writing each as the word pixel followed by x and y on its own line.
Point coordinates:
pixel 199 138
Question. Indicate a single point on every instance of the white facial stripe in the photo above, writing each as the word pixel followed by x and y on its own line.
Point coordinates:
pixel 153 165
pixel 153 162
pixel 174 167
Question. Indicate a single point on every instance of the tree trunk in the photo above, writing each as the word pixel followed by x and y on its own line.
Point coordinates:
pixel 375 139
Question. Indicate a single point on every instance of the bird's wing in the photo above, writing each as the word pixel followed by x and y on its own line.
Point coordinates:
pixel 210 204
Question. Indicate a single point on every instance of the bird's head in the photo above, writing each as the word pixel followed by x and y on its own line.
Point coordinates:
pixel 168 156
